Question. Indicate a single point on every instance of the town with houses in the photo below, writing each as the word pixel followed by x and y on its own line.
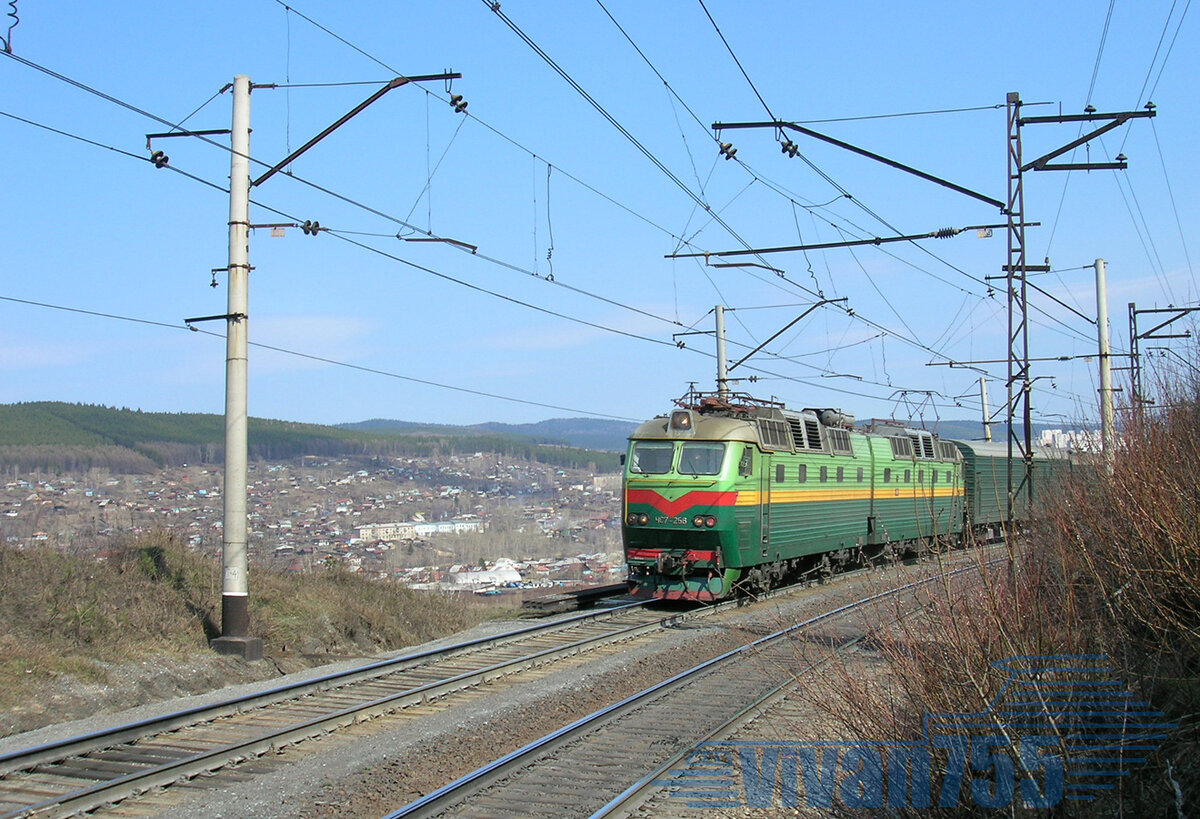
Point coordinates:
pixel 472 522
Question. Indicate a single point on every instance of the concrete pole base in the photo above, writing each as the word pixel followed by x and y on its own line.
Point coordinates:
pixel 248 648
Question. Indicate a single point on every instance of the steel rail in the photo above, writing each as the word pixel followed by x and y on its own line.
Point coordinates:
pixel 53 751
pixel 640 792
pixel 452 794
pixel 191 765
pixel 42 759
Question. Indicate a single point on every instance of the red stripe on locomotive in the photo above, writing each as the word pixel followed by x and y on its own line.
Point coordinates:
pixel 673 508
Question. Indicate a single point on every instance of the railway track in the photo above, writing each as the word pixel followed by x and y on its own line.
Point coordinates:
pixel 582 768
pixel 112 767
pixel 103 768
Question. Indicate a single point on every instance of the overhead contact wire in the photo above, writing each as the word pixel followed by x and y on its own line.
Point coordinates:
pixel 616 124
pixel 176 126
pixel 495 8
pixel 327 191
pixel 322 359
pixel 384 253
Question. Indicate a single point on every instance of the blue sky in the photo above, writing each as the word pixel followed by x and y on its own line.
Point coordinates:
pixel 569 303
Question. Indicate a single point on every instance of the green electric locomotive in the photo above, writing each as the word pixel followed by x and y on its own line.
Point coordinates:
pixel 728 492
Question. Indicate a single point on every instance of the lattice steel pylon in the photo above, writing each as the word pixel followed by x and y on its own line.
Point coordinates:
pixel 1018 327
pixel 1138 399
pixel 1020 382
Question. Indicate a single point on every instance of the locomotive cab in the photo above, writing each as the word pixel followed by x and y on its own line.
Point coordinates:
pixel 680 495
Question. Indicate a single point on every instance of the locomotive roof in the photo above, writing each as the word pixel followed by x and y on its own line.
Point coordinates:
pixel 708 427
pixel 709 417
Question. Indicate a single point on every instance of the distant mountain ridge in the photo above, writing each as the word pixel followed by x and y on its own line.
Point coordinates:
pixel 584 433
pixel 51 435
pixel 589 433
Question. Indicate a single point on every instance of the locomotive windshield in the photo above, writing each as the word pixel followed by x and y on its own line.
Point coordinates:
pixel 701 459
pixel 652 457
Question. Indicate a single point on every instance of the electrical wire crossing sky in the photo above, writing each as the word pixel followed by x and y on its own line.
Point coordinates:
pixel 469 211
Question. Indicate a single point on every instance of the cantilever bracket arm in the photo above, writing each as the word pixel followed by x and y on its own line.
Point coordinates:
pixel 188 322
pixel 943 233
pixel 781 332
pixel 1179 312
pixel 395 83
pixel 1041 163
pixel 717 126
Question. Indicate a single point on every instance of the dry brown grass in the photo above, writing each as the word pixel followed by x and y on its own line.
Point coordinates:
pixel 69 616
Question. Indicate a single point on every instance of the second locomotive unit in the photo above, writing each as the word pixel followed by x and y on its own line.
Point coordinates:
pixel 730 492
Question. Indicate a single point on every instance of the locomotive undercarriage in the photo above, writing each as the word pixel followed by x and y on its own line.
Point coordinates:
pixel 691 574
pixel 679 574
pixel 766 576
pixel 821 567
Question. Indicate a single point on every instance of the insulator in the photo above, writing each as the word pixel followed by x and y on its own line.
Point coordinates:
pixel 835 418
pixel 159 159
pixel 945 233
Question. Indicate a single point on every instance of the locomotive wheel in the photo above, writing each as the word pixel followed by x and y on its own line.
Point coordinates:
pixel 824 570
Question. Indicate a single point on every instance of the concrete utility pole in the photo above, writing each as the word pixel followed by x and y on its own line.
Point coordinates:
pixel 722 362
pixel 987 422
pixel 235 615
pixel 1107 424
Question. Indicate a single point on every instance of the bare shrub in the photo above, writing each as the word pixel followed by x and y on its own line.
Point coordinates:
pixel 1108 567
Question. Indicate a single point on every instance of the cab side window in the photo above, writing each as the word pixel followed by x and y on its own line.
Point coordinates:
pixel 746 464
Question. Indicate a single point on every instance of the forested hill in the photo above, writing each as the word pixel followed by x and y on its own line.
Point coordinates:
pixel 588 433
pixel 57 436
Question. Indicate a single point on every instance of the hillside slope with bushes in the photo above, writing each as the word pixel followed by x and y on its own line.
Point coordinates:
pixel 83 635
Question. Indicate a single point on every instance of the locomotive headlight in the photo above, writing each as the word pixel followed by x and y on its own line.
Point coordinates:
pixel 710 521
pixel 698 521
pixel 632 519
pixel 643 519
